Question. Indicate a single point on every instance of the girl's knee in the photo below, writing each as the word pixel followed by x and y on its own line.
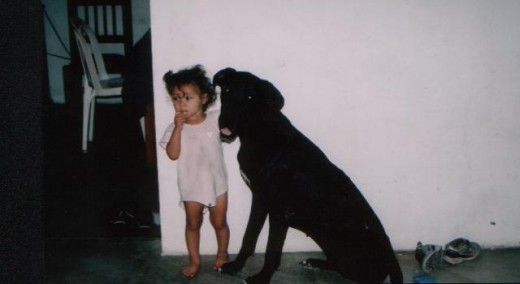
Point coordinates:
pixel 193 215
pixel 219 223
pixel 193 223
pixel 193 226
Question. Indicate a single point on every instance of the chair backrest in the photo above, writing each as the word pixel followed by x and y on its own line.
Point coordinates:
pixel 88 35
pixel 110 20
pixel 93 65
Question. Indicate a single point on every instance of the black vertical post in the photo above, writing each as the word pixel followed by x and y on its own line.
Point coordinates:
pixel 21 154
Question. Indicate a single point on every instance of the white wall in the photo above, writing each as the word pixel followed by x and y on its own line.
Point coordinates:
pixel 416 100
pixel 58 15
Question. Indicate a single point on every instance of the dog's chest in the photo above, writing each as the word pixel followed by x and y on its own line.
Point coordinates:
pixel 262 164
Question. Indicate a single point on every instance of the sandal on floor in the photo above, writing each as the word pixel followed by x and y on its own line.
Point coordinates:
pixel 460 250
pixel 429 256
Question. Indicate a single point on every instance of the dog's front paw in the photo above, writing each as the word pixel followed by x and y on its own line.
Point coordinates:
pixel 257 279
pixel 230 267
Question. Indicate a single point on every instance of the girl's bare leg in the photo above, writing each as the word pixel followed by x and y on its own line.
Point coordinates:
pixel 219 221
pixel 192 232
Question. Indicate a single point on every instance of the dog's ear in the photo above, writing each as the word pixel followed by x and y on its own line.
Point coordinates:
pixel 274 98
pixel 221 75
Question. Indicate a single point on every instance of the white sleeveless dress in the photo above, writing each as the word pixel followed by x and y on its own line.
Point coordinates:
pixel 202 175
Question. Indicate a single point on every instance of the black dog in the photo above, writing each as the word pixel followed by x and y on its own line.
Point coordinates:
pixel 294 183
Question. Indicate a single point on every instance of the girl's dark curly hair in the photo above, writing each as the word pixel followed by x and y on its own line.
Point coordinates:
pixel 195 75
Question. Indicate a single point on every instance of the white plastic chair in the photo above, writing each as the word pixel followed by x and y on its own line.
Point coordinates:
pixel 97 83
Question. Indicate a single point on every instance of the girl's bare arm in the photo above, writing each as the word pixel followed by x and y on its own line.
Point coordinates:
pixel 173 148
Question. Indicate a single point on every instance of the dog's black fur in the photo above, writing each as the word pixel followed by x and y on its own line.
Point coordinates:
pixel 294 183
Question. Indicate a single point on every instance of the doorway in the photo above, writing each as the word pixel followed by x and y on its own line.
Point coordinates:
pixel 111 190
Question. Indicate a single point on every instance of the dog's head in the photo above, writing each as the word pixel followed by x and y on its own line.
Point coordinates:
pixel 243 97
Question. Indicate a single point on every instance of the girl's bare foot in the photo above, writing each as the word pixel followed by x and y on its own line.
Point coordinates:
pixel 191 270
pixel 221 259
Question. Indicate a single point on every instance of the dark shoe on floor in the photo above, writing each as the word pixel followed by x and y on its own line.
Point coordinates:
pixel 460 250
pixel 124 218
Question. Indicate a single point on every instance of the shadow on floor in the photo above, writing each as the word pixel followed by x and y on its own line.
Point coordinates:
pixel 84 192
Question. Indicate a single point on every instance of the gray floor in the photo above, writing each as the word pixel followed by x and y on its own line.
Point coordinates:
pixel 84 192
pixel 139 260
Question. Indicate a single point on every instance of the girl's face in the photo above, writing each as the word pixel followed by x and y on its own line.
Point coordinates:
pixel 188 101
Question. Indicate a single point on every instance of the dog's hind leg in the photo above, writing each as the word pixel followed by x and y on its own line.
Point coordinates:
pixel 368 260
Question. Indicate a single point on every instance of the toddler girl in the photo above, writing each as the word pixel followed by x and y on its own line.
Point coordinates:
pixel 193 139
